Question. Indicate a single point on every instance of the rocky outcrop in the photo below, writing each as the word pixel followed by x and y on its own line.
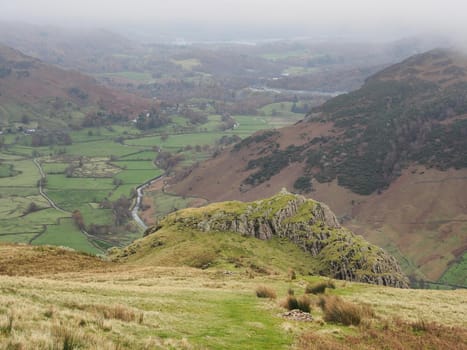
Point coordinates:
pixel 311 225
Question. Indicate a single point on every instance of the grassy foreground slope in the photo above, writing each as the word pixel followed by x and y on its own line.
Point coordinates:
pixel 101 305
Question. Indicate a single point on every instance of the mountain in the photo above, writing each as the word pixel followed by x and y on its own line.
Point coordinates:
pixel 31 90
pixel 88 50
pixel 389 158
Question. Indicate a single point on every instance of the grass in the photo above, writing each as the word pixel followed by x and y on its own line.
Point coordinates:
pixel 136 76
pixel 165 203
pixel 66 234
pixel 457 273
pixel 100 149
pixel 97 304
pixel 219 318
pixel 302 303
pixel 188 64
pixel 54 168
pixel 27 175
pixel 93 182
pixel 265 292
pixel 143 155
pixel 138 176
pixel 63 183
pixel 337 310
pixel 219 250
pixel 6 170
pixel 319 287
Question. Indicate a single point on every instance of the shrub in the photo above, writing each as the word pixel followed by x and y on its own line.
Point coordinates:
pixel 292 274
pixel 291 302
pixel 265 292
pixel 319 287
pixel 339 311
pixel 303 183
pixel 302 303
pixel 119 312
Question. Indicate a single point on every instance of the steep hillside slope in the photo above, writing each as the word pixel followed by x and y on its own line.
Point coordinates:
pixel 408 120
pixel 31 90
pixel 333 250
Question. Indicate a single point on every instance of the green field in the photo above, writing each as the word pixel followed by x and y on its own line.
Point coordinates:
pixel 165 203
pixel 187 64
pixel 67 235
pixel 457 273
pixel 94 169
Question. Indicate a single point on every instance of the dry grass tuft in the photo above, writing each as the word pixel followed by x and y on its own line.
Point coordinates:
pixel 395 335
pixel 313 341
pixel 337 310
pixel 7 327
pixel 319 287
pixel 119 312
pixel 265 292
pixel 291 302
pixel 67 338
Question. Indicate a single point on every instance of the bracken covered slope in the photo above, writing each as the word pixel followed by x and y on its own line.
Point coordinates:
pixel 51 96
pixel 389 158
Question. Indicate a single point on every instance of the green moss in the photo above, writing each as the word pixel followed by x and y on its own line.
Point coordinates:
pixel 304 213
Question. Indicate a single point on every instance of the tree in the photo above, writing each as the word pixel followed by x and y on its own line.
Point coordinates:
pixel 78 219
pixel 32 207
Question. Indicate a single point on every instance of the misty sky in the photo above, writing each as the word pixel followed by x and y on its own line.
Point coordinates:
pixel 359 15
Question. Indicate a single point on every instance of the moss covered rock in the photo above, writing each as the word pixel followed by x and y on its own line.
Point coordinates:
pixel 311 225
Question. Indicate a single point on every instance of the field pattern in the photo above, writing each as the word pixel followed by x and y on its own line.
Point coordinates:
pixel 101 166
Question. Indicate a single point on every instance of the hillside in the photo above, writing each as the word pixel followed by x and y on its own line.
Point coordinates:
pixel 139 304
pixel 35 93
pixel 397 144
pixel 88 50
pixel 332 250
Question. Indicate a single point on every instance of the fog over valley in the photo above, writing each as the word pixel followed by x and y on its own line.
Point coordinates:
pixel 208 20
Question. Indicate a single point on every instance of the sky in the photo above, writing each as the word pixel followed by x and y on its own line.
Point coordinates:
pixel 363 16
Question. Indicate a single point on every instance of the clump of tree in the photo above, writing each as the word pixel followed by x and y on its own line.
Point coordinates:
pixel 120 209
pixel 167 161
pixel 78 219
pixel 226 140
pixel 194 116
pixel 98 119
pixel 42 138
pixel 227 122
pixel 31 208
pixel 151 120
